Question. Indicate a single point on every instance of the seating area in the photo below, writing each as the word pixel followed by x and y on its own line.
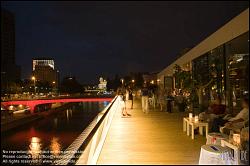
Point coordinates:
pixel 220 148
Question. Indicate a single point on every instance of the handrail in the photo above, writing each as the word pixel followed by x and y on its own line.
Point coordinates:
pixel 85 149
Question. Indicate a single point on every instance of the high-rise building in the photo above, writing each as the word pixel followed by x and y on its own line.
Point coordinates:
pixel 44 71
pixel 10 72
pixel 43 62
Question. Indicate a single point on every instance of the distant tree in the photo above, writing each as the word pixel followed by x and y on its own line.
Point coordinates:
pixel 43 86
pixel 109 84
pixel 71 85
pixel 116 82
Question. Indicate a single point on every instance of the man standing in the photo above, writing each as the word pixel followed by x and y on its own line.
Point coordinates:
pixel 144 94
pixel 129 96
pixel 169 102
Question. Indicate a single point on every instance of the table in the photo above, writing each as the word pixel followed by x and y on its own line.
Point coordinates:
pixel 194 125
pixel 185 121
pixel 226 143
pixel 214 155
pixel 215 138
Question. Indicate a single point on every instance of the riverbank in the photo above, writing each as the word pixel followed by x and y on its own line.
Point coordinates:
pixel 22 119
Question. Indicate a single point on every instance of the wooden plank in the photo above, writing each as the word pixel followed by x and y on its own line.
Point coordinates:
pixel 153 138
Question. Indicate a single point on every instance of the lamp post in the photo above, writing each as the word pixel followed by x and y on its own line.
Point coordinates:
pixel 122 80
pixel 34 79
pixel 158 81
pixel 54 86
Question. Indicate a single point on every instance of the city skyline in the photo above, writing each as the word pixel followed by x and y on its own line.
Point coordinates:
pixel 113 37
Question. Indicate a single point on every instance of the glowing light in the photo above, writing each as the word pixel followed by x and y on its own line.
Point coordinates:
pixel 11 107
pixel 55 146
pixel 190 116
pixel 133 81
pixel 122 80
pixel 196 119
pixel 33 78
pixel 35 147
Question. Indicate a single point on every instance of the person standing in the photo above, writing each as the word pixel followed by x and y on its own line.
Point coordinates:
pixel 169 102
pixel 129 97
pixel 161 97
pixel 144 94
pixel 154 98
pixel 121 96
pixel 181 102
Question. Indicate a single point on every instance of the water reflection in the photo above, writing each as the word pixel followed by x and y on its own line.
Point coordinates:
pixel 55 146
pixel 105 103
pixel 51 135
pixel 67 115
pixel 35 147
pixel 55 122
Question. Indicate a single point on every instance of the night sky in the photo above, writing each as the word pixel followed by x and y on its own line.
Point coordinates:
pixel 93 39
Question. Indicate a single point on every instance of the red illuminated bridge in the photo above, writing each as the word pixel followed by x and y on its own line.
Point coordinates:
pixel 33 103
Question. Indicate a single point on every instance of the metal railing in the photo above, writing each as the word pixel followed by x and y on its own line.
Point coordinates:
pixel 87 147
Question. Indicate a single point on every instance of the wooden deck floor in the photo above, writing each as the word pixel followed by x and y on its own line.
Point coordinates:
pixel 153 138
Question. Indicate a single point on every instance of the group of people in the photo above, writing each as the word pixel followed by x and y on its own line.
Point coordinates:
pixel 125 95
pixel 162 98
pixel 222 120
pixel 216 114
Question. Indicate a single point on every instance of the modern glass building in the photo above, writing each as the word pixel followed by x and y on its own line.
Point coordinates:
pixel 223 57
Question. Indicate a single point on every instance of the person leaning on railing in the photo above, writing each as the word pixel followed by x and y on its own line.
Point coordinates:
pixel 121 95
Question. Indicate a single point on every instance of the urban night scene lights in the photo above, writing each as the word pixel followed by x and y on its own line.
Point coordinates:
pixel 125 82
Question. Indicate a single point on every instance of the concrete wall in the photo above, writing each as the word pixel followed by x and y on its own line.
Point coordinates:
pixel 234 28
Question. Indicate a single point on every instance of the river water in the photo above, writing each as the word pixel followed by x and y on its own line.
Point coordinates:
pixel 55 132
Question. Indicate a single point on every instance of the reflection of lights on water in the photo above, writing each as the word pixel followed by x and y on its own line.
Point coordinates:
pixel 67 114
pixel 105 103
pixel 11 107
pixel 55 122
pixel 55 146
pixel 71 112
pixel 35 147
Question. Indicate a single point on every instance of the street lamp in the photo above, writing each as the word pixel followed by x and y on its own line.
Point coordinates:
pixel 133 81
pixel 54 88
pixel 122 80
pixel 34 79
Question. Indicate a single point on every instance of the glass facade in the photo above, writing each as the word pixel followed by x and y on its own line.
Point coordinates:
pixel 237 61
pixel 228 66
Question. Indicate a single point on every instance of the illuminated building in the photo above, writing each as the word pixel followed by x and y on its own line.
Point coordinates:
pixel 223 57
pixel 43 62
pixel 103 84
pixel 44 71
